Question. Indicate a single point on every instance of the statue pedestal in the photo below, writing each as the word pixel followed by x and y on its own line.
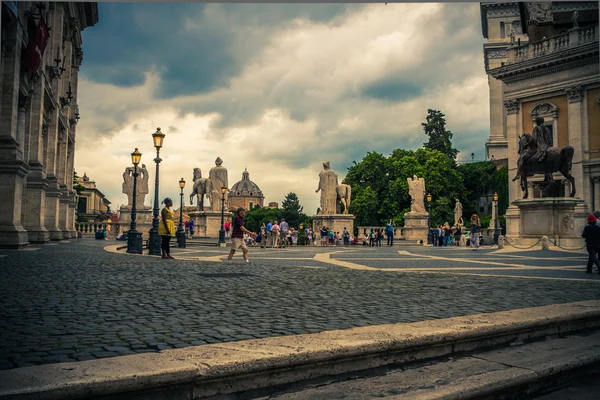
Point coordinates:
pixel 560 218
pixel 208 223
pixel 143 221
pixel 415 227
pixel 335 223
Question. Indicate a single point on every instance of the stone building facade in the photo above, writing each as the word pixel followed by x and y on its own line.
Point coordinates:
pixel 245 193
pixel 554 73
pixel 501 26
pixel 39 65
pixel 92 203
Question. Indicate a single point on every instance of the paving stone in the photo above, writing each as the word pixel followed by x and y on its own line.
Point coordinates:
pixel 111 304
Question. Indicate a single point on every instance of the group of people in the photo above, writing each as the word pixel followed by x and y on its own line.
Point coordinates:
pixel 281 235
pixel 447 235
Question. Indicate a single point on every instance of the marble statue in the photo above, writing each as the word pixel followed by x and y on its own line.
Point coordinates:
pixel 218 178
pixel 344 193
pixel 141 186
pixel 574 18
pixel 540 11
pixel 511 35
pixel 201 188
pixel 458 212
pixel 328 182
pixel 416 191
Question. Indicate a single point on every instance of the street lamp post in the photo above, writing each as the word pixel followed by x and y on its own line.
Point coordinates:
pixel 134 238
pixel 429 232
pixel 154 241
pixel 181 239
pixel 496 234
pixel 222 231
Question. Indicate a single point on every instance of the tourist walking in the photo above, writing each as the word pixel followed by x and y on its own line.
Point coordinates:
pixel 270 234
pixel 591 234
pixel 284 229
pixel 191 228
pixel 166 228
pixel 275 234
pixel 389 232
pixel 237 235
pixel 227 227
pixel 475 227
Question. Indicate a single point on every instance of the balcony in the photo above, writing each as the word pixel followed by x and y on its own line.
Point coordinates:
pixel 569 40
pixel 578 46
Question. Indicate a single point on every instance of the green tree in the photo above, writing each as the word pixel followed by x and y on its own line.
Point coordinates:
pixel 291 209
pixel 440 138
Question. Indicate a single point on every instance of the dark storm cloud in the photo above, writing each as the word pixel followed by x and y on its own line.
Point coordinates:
pixel 392 89
pixel 194 47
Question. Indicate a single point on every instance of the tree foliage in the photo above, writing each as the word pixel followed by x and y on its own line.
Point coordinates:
pixel 380 187
pixel 440 138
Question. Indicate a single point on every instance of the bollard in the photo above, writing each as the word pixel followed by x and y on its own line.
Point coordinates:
pixel 545 243
pixel 501 242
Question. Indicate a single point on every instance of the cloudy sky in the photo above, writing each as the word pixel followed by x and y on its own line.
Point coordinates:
pixel 278 88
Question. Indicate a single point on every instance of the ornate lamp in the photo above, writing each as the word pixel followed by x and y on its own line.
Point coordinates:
pixel 429 232
pixel 222 231
pixel 134 238
pixel 154 242
pixel 496 233
pixel 181 237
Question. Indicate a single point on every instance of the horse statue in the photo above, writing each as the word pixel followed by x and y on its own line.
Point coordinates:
pixel 344 193
pixel 555 161
pixel 201 187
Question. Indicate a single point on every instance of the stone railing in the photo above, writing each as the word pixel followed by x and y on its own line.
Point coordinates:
pixel 90 228
pixel 573 38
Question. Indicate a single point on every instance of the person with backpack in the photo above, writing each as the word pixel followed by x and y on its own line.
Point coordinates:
pixel 389 232
pixel 591 234
pixel 345 237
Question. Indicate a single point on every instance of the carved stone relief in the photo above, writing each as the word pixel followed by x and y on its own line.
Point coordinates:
pixel 512 106
pixel 574 94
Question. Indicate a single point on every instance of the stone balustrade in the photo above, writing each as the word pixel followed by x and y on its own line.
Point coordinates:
pixel 90 228
pixel 571 39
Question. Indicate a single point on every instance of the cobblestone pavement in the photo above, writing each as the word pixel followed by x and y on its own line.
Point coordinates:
pixel 84 299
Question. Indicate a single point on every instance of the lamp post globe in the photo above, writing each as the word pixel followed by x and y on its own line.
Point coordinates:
pixel 222 231
pixel 154 241
pixel 134 238
pixel 181 236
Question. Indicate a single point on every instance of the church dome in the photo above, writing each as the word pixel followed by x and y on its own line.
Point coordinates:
pixel 245 187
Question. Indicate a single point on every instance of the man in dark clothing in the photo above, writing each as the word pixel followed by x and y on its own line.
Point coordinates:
pixel 591 233
pixel 237 235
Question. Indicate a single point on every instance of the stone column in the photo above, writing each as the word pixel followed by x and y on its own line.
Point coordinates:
pixel 596 183
pixel 34 205
pixel 63 218
pixel 53 192
pixel 576 110
pixel 13 167
pixel 575 96
pixel 513 223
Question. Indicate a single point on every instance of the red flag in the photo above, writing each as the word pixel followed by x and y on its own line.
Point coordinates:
pixel 35 51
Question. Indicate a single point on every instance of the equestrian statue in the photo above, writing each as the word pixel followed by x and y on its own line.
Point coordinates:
pixel 202 187
pixel 537 156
